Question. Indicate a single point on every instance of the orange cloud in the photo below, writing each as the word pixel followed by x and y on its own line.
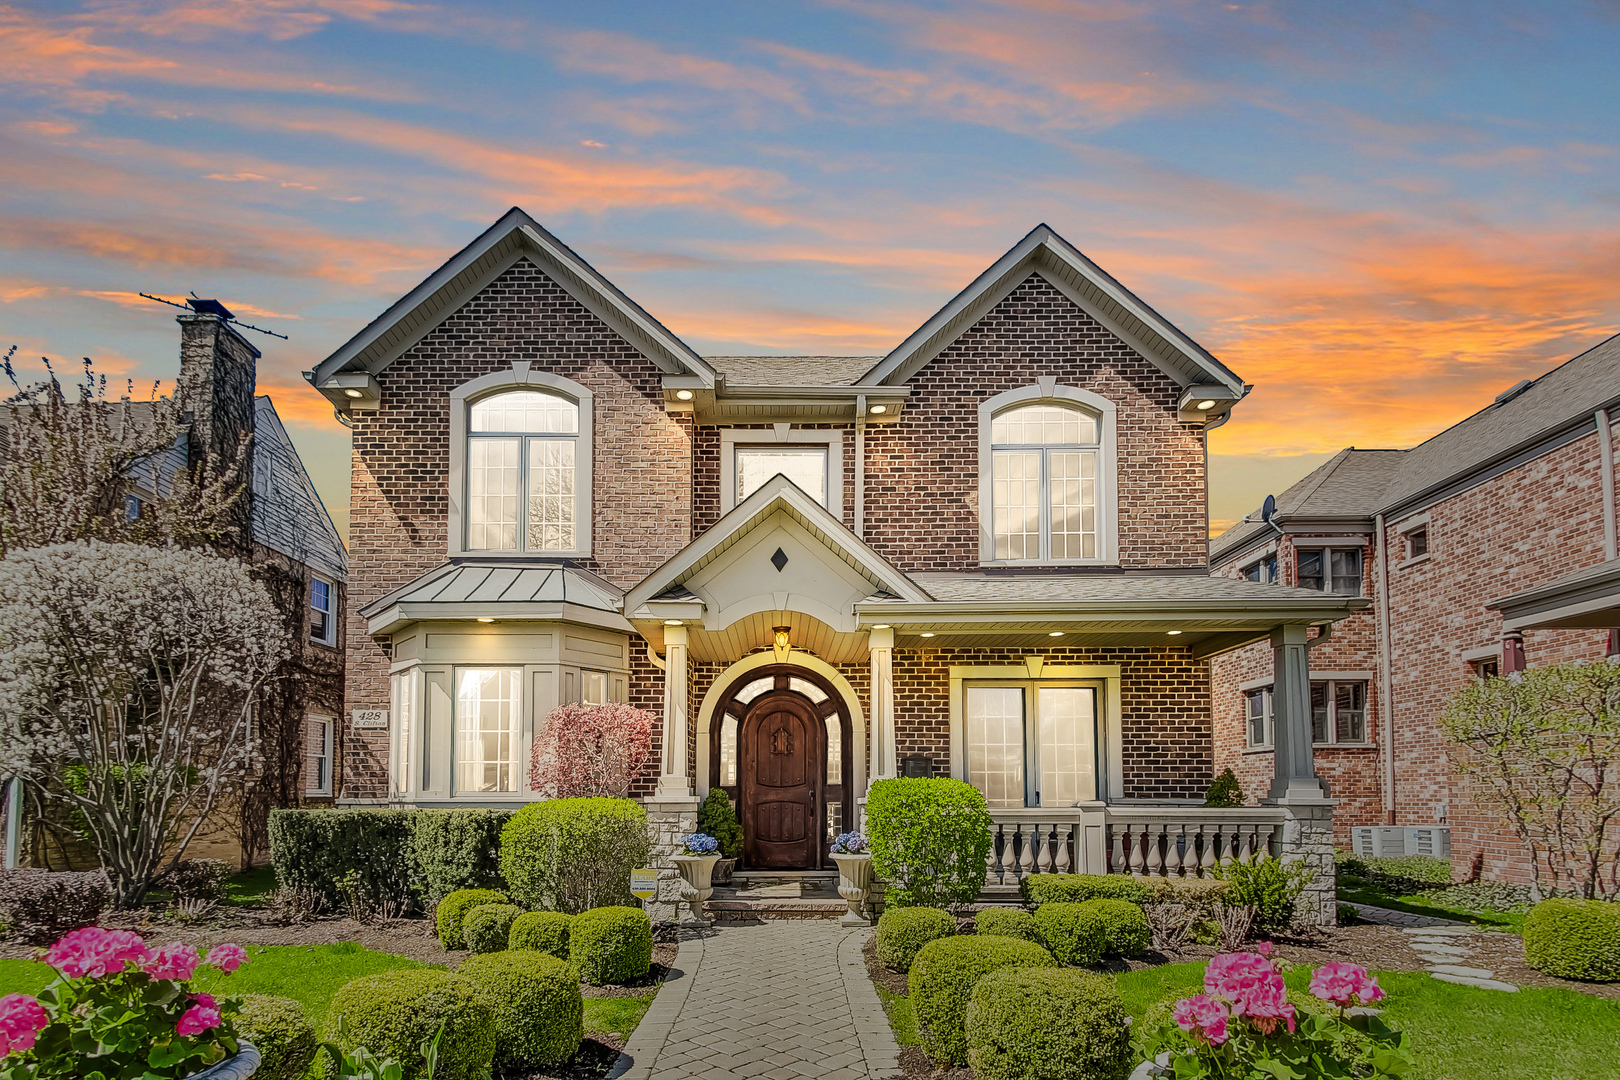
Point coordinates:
pixel 197 20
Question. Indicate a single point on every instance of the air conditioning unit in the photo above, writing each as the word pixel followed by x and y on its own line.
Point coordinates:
pixel 1389 841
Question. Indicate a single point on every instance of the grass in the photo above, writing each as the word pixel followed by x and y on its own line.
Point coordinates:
pixel 251 887
pixel 903 1021
pixel 1423 904
pixel 615 1015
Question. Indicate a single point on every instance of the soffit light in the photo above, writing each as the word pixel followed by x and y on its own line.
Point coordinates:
pixel 1208 404
pixel 351 392
pixel 673 622
pixel 1172 633
pixel 684 395
pixel 879 409
pixel 880 626
pixel 926 633
pixel 1055 633
pixel 483 619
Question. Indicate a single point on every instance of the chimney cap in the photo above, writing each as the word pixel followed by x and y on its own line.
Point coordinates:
pixel 209 307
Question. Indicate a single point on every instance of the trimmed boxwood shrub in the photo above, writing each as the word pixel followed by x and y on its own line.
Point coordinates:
pixel 929 839
pixel 1047 1024
pixel 1007 922
pixel 1038 889
pixel 1076 933
pixel 317 850
pixel 452 911
pixel 571 855
pixel 486 927
pixel 942 980
pixel 279 1030
pixel 456 849
pixel 1574 939
pixel 718 818
pixel 902 931
pixel 394 1012
pixel 541 931
pixel 539 1013
pixel 611 945
pixel 37 906
pixel 1125 928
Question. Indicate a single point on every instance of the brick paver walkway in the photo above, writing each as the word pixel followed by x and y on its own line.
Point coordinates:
pixel 782 999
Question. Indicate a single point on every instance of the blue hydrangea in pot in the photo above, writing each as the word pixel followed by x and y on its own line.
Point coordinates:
pixel 699 852
pixel 854 858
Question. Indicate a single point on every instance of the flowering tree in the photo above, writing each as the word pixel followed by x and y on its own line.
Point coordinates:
pixel 128 688
pixel 1543 750
pixel 590 750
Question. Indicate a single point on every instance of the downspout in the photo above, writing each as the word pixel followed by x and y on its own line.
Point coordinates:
pixel 860 466
pixel 1606 461
pixel 1386 691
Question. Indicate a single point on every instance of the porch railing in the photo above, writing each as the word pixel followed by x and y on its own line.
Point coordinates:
pixel 1146 841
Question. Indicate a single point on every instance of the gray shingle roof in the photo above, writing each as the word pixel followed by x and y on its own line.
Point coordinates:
pixel 792 370
pixel 1350 484
pixel 288 514
pixel 992 588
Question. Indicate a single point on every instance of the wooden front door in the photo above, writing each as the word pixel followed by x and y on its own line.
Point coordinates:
pixel 781 770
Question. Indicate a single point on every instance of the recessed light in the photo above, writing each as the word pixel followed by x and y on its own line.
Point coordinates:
pixel 673 622
pixel 880 626
pixel 1055 633
pixel 1172 633
pixel 879 409
pixel 486 620
pixel 926 633
pixel 351 392
pixel 1210 404
pixel 684 395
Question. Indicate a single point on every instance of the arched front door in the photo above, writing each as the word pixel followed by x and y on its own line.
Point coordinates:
pixel 781 769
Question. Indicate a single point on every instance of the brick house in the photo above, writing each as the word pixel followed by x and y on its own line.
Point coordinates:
pixel 1489 547
pixel 982 555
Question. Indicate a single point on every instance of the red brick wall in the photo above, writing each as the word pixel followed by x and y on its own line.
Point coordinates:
pixel 922 487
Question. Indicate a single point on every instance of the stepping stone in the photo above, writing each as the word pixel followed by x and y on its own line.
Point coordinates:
pixel 1465 972
pixel 1438 931
pixel 1483 984
pixel 1439 950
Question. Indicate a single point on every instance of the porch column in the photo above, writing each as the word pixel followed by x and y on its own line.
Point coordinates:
pixel 1307 833
pixel 885 763
pixel 674 781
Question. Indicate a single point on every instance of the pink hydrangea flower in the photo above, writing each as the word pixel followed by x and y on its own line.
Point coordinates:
pixel 1202 1015
pixel 176 961
pixel 1341 984
pixel 22 1018
pixel 1252 986
pixel 227 957
pixel 96 952
pixel 202 1016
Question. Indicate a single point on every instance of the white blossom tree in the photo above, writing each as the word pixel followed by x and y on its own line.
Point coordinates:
pixel 127 690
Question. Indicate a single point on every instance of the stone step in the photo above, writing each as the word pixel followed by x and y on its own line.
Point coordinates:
pixel 770 909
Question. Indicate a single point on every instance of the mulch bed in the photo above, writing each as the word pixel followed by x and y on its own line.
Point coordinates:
pixel 596 1056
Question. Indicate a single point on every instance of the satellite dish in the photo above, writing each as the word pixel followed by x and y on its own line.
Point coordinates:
pixel 1268 508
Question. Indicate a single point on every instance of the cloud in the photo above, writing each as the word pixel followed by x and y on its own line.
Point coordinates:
pixel 199 20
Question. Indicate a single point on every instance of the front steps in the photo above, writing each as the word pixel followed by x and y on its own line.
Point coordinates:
pixel 768 895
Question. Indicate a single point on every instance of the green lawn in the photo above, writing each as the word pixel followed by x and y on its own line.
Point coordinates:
pixel 1424 904
pixel 252 887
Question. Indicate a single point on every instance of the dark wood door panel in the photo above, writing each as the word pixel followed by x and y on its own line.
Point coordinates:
pixel 781 782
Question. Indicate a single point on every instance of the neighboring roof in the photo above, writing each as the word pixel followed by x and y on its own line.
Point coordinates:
pixel 792 370
pixel 515 236
pixel 1102 588
pixel 1044 251
pixel 497 588
pixel 288 514
pixel 1345 487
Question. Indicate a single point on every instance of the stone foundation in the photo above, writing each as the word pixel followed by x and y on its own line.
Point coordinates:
pixel 1308 835
pixel 669 819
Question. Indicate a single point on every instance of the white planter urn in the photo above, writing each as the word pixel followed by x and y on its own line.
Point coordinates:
pixel 854 884
pixel 697 872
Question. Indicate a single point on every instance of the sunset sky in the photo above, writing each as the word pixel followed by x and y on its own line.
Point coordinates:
pixel 1381 214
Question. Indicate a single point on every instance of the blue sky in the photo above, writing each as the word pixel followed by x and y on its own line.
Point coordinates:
pixel 1380 214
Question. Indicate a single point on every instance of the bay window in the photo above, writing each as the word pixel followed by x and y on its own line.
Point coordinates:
pixel 1031 742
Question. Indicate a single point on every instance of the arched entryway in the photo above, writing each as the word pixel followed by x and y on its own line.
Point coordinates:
pixel 781 744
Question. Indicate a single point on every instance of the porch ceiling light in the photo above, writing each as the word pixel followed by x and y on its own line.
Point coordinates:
pixel 1055 633
pixel 1172 633
pixel 1208 403
pixel 926 633
pixel 484 619
pixel 879 410
pixel 880 626
pixel 683 395
pixel 780 645
pixel 673 622
pixel 352 392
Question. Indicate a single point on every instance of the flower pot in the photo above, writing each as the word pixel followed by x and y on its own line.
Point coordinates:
pixel 723 870
pixel 697 877
pixel 854 883
pixel 243 1064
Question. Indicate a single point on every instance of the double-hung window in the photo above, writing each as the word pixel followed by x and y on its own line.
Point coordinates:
pixel 1258 716
pixel 1330 569
pixel 322 611
pixel 1338 712
pixel 522 472
pixel 1031 742
pixel 1044 473
pixel 488 729
pixel 318 778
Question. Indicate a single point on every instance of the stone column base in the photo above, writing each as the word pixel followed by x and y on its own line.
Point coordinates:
pixel 1308 835
pixel 668 819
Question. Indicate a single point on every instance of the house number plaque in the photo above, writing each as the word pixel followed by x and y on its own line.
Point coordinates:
pixel 370 718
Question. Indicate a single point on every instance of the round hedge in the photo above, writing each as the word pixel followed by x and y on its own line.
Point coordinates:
pixel 1007 922
pixel 942 980
pixel 902 931
pixel 452 912
pixel 1574 939
pixel 1076 933
pixel 541 931
pixel 393 1013
pixel 539 1013
pixel 280 1032
pixel 486 926
pixel 1126 930
pixel 574 854
pixel 611 945
pixel 1047 1024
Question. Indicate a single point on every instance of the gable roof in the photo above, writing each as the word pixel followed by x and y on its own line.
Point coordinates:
pixel 288 514
pixel 515 236
pixel 792 370
pixel 1343 488
pixel 1043 250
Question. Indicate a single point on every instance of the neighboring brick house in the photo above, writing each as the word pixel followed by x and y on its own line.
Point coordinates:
pixel 1517 499
pixel 981 555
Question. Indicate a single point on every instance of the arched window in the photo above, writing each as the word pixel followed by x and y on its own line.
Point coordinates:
pixel 1047 477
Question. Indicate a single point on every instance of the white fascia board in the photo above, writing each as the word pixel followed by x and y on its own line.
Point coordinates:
pixel 1268 612
pixel 398 616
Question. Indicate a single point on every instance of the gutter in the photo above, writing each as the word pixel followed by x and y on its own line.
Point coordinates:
pixel 1386 664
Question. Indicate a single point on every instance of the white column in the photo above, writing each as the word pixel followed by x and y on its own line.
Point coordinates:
pixel 674 781
pixel 885 763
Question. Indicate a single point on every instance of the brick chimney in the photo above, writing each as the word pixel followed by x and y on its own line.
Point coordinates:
pixel 218 373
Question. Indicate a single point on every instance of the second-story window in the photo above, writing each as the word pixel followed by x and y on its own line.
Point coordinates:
pixel 322 611
pixel 1044 477
pixel 1417 542
pixel 1264 571
pixel 1334 570
pixel 522 473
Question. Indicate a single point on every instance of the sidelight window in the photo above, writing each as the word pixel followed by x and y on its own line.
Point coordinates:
pixel 1031 743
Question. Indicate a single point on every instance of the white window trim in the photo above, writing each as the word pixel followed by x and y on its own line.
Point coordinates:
pixel 462 399
pixel 781 434
pixel 1402 531
pixel 331 762
pixel 1246 688
pixel 1107 470
pixel 1325 546
pixel 1110 720
pixel 331 616
pixel 1271 718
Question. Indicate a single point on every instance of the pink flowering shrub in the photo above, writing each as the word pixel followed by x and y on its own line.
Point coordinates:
pixel 590 750
pixel 118 1009
pixel 1243 1025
